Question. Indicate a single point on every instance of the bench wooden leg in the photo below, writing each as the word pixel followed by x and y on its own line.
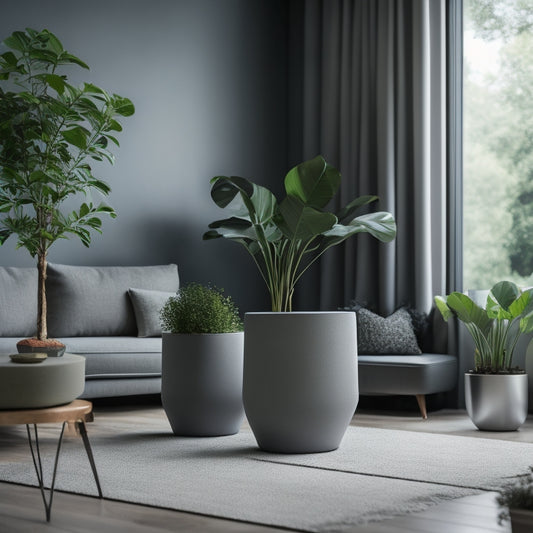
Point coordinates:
pixel 421 399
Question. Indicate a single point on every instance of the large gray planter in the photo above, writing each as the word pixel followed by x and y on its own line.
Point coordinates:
pixel 300 385
pixel 497 402
pixel 201 383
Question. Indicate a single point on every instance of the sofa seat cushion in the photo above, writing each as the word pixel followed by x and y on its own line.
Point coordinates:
pixel 117 357
pixel 407 374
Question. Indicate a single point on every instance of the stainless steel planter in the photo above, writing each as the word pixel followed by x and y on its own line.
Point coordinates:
pixel 300 385
pixel 497 402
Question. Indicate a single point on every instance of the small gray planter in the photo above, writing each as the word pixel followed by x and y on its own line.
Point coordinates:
pixel 300 385
pixel 201 383
pixel 496 402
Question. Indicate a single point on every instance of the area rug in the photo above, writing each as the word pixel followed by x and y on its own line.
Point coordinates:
pixel 375 474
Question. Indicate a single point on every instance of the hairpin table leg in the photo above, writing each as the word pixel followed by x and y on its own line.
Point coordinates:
pixel 83 432
pixel 37 463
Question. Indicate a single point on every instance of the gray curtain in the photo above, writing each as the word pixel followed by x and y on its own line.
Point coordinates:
pixel 368 93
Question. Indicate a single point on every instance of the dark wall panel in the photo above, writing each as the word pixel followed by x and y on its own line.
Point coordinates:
pixel 209 82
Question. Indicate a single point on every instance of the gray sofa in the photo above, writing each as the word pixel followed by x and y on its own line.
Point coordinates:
pixel 110 315
pixel 406 358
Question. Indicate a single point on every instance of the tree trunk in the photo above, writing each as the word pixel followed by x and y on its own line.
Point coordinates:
pixel 42 329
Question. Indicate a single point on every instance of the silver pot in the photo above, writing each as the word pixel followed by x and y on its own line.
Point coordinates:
pixel 496 402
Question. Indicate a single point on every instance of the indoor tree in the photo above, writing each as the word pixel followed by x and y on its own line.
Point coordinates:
pixel 50 133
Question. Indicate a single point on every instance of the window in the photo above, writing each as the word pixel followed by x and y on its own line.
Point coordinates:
pixel 497 142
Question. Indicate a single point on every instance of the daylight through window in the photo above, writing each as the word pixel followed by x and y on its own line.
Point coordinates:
pixel 498 142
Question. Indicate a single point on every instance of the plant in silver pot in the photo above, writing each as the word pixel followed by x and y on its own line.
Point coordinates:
pixel 51 132
pixel 300 371
pixel 202 362
pixel 496 392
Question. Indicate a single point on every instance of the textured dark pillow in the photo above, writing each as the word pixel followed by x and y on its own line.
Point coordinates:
pixel 393 335
pixel 18 302
pixel 147 306
pixel 86 301
pixel 421 327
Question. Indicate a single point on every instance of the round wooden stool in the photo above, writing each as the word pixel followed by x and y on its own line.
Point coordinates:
pixel 76 414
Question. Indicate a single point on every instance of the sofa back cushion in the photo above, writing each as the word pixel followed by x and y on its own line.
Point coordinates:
pixel 18 302
pixel 85 301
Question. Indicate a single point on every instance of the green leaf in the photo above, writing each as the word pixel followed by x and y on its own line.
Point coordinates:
pixel 44 56
pixel 84 210
pixel 231 233
pixel 93 89
pixel 299 221
pixel 67 58
pixel 347 213
pixel 17 41
pixel 468 311
pixel 123 106
pixel 28 97
pixel 56 82
pixel 101 186
pixel 225 189
pixel 95 223
pixel 233 222
pixel 114 125
pixel 500 297
pixel 52 42
pixel 76 136
pixel 113 139
pixel 441 305
pixel 4 235
pixel 9 59
pixel 38 176
pixel 103 208
pixel 244 199
pixel 522 305
pixel 314 182
pixel 380 225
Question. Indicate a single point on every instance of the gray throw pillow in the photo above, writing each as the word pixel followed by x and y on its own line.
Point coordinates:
pixel 393 335
pixel 147 306
pixel 87 301
pixel 18 302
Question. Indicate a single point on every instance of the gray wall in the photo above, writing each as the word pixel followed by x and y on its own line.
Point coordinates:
pixel 209 82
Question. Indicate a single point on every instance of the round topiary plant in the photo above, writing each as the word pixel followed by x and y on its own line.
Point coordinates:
pixel 200 309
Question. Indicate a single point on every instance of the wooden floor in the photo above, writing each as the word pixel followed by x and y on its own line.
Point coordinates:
pixel 21 508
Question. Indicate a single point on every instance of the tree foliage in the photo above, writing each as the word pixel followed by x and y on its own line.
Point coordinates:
pixel 499 145
pixel 51 132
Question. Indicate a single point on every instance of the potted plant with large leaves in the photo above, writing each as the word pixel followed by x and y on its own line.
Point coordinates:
pixel 496 392
pixel 50 131
pixel 202 362
pixel 300 368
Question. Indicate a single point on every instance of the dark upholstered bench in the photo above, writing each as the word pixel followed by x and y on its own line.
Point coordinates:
pixel 415 375
pixel 394 371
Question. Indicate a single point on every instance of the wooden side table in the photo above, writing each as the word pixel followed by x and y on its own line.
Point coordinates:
pixel 76 413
